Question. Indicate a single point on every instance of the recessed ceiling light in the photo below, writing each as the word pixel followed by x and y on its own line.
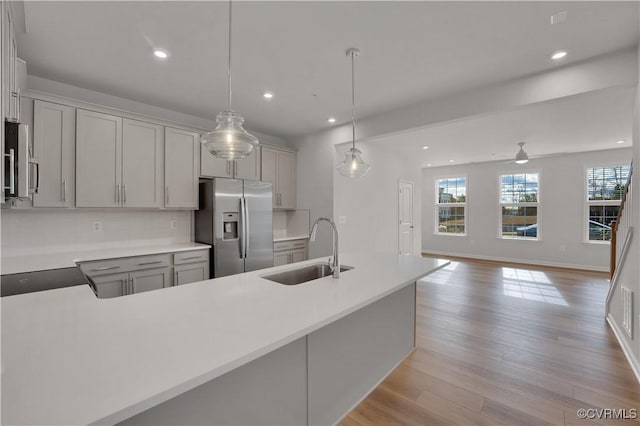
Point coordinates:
pixel 331 120
pixel 267 95
pixel 425 147
pixel 161 53
pixel 621 141
pixel 451 161
pixel 558 55
pixel 428 164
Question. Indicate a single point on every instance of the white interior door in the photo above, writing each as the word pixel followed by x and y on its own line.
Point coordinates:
pixel 405 214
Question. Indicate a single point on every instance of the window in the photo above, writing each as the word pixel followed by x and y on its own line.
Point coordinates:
pixel 451 203
pixel 519 199
pixel 605 188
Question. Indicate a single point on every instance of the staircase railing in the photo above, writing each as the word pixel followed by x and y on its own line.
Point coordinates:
pixel 621 228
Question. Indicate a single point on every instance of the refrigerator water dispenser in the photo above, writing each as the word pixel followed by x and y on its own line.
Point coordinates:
pixel 230 226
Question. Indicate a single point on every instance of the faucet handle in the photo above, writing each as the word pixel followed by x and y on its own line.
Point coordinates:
pixel 330 264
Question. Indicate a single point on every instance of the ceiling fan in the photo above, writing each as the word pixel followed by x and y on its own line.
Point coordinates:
pixel 522 157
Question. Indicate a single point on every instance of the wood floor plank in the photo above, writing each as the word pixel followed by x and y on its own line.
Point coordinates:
pixel 506 344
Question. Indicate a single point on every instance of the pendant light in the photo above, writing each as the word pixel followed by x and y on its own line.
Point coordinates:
pixel 521 156
pixel 229 141
pixel 353 166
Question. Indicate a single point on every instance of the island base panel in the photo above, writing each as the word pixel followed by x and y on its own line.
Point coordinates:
pixel 314 380
pixel 269 390
pixel 349 358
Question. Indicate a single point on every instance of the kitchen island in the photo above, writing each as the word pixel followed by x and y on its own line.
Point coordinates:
pixel 239 349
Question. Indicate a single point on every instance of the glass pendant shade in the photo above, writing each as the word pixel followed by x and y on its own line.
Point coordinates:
pixel 229 141
pixel 353 166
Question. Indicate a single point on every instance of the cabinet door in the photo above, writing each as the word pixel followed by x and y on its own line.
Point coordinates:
pixel 298 255
pixel 54 147
pixel 142 161
pixel 211 166
pixel 268 171
pixel 281 258
pixel 150 279
pixel 286 178
pixel 191 273
pixel 114 285
pixel 182 152
pixel 98 159
pixel 248 168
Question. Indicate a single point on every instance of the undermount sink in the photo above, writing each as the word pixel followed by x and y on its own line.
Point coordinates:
pixel 304 274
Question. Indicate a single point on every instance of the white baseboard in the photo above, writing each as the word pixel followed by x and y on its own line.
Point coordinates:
pixel 524 261
pixel 626 349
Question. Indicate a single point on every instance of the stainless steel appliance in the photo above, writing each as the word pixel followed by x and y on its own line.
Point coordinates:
pixel 235 217
pixel 19 164
pixel 28 282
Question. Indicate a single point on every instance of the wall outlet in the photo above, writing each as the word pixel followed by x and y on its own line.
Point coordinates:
pixel 174 224
pixel 342 220
pixel 97 226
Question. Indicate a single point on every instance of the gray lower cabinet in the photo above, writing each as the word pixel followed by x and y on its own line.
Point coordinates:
pixel 150 279
pixel 190 273
pixel 113 285
pixel 285 252
pixel 128 275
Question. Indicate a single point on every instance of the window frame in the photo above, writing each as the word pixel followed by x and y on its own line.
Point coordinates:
pixel 437 204
pixel 588 203
pixel 537 204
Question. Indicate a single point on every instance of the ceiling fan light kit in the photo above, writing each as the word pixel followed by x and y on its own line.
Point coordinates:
pixel 521 156
pixel 229 140
pixel 353 166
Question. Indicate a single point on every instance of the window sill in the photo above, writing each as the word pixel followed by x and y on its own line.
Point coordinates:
pixel 597 242
pixel 520 239
pixel 450 234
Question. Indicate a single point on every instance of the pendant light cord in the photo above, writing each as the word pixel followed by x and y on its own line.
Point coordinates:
pixel 229 63
pixel 353 98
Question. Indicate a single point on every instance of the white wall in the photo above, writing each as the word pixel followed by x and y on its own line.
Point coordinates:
pixel 629 273
pixel 40 231
pixel 561 214
pixel 370 204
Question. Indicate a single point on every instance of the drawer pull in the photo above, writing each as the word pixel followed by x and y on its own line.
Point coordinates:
pixel 191 257
pixel 155 262
pixel 105 268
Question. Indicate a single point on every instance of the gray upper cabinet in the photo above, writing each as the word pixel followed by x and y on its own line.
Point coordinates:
pixel 142 164
pixel 247 168
pixel 119 162
pixel 54 146
pixel 182 158
pixel 279 167
pixel 98 159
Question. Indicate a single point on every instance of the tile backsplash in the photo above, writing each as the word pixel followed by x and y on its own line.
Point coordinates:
pixel 34 231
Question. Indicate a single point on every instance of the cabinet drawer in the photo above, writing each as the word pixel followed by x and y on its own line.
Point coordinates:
pixel 190 257
pixel 125 264
pixel 289 245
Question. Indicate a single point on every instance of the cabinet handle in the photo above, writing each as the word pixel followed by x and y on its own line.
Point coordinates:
pixel 131 285
pixel 12 168
pixel 118 193
pixel 105 268
pixel 155 262
pixel 64 191
pixel 166 195
pixel 191 257
pixel 124 194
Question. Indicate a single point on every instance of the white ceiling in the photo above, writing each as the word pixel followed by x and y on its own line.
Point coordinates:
pixel 411 51
pixel 587 122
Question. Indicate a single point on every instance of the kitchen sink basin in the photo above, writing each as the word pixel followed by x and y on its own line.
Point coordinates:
pixel 304 274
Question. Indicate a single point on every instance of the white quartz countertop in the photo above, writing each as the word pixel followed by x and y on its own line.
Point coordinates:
pixel 43 262
pixel 71 358
pixel 280 238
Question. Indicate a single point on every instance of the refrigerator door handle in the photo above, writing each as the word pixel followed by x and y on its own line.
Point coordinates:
pixel 243 220
pixel 246 226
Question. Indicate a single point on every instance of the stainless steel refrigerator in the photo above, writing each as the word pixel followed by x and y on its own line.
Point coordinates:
pixel 235 217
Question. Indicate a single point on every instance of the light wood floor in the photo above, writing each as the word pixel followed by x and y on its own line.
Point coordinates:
pixel 506 344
